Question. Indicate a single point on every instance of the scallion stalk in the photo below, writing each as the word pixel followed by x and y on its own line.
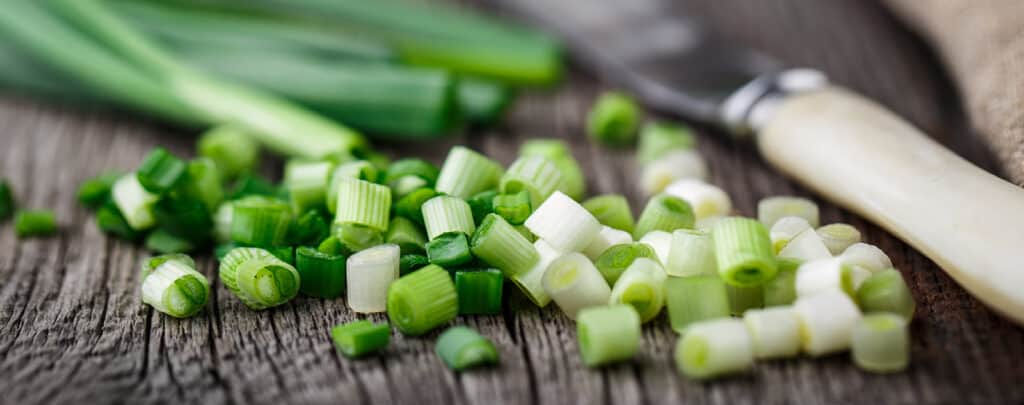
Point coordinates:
pixel 406 234
pixel 461 348
pixel 608 334
pixel 370 273
pixel 885 291
pixel 322 274
pixel 694 299
pixel 563 223
pixel 715 348
pixel 771 209
pixel 359 338
pixel 231 149
pixel 659 138
pixel 881 343
pixel 692 254
pixel 537 175
pixel 259 278
pixel 827 321
pixel 611 210
pixel 479 291
pixel 604 240
pixel 785 229
pixel 363 203
pixel 444 214
pixel 356 169
pixel 574 283
pixel 174 287
pixel 422 301
pixel 664 213
pixel 35 223
pixel 466 173
pixel 705 199
pixel 614 261
pixel 838 237
pixel 743 251
pixel 498 244
pixel 642 285
pixel 674 166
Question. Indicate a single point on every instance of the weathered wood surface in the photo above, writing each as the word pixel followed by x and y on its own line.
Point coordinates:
pixel 72 328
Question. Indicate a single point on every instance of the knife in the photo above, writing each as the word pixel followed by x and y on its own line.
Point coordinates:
pixel 845 147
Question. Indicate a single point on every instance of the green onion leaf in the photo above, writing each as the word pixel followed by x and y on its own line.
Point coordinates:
pixel 110 220
pixel 449 250
pixel 332 246
pixel 161 171
pixel 461 348
pixel 608 334
pixel 259 278
pixel 499 244
pixel 322 274
pixel 164 242
pixel 422 301
pixel 35 223
pixel 613 119
pixel 369 275
pixel 611 210
pixel 482 204
pixel 7 200
pixel 466 173
pixel 184 217
pixel 251 184
pixel 204 183
pixel 479 291
pixel 714 348
pixel 359 338
pixel 743 251
pixel 881 343
pixel 306 183
pixel 664 213
pixel 92 193
pixel 694 299
pixel 309 229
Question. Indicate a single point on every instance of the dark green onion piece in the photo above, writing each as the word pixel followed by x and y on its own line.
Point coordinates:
pixel 664 213
pixel 406 234
pixel 223 249
pixel 743 251
pixel 184 217
pixel 110 220
pixel 461 348
pixel 322 274
pixel 449 250
pixel 358 338
pixel 406 185
pixel 161 171
pixel 781 290
pixel 37 223
pixel 164 242
pixel 611 210
pixel 234 151
pixel 260 221
pixel 410 206
pixel 205 183
pixel 355 237
pixel 616 259
pixel 515 208
pixel 613 119
pixel 309 229
pixel 7 199
pixel 410 263
pixel 482 204
pixel 284 253
pixel 251 184
pixel 92 193
pixel 332 246
pixel 422 300
pixel 695 298
pixel 414 167
pixel 479 291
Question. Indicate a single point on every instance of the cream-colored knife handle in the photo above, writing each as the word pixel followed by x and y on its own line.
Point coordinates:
pixel 865 158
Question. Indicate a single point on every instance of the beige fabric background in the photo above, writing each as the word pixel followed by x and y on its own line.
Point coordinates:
pixel 982 41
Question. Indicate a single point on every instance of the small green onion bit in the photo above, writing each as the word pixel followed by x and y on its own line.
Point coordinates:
pixel 309 229
pixel 744 252
pixel 7 199
pixel 258 278
pixel 881 343
pixel 322 274
pixel 251 184
pixel 479 291
pixel 449 250
pixel 355 237
pixel 110 220
pixel 613 119
pixel 608 334
pixel 482 204
pixel 410 206
pixel 185 217
pixel 423 300
pixel 161 171
pixel 411 167
pixel 353 170
pixel 260 221
pixel 466 173
pixel 642 285
pixel 714 348
pixel 515 208
pixel 499 244
pixel 410 263
pixel 171 285
pixel 151 263
pixel 363 203
pixel 444 214
pixel 659 138
pixel 536 175
pixel 164 242
pixel 743 298
pixel 234 151
pixel 781 290
pixel 695 298
pixel 92 193
pixel 406 234
pixel 886 291
pixel 616 259
pixel 359 338
pixel 461 348
pixel 664 213
pixel 35 223
pixel 611 210
pixel 307 183
pixel 573 183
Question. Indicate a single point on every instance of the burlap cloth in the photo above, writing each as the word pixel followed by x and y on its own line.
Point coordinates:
pixel 982 41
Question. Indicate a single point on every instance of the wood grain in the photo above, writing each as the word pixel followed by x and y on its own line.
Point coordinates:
pixel 73 329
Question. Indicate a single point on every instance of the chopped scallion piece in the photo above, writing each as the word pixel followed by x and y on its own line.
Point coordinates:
pixel 670 168
pixel 692 254
pixel 536 175
pixel 449 250
pixel 306 183
pixel 498 244
pixel 694 299
pixel 515 208
pixel 234 151
pixel 706 199
pixel 284 253
pixel 461 348
pixel 363 203
pixel 613 119
pixel 642 285
pixel 7 205
pixel 422 301
pixel 775 332
pixel 531 282
pixel 175 288
pixel 309 229
pixel 573 183
pixel 444 214
pixel 563 223
pixel 881 343
pixel 411 167
pixel 251 184
pixel 806 246
pixel 866 256
pixel 659 138
pixel 164 242
pixel 359 338
pixel 715 348
pixel 259 278
pixel 885 291
pixel 151 263
pixel 357 170
pixel 785 229
pixel 838 237
pixel 134 202
pixel 411 205
pixel 824 275
pixel 614 261
pixel 204 183
pixel 35 223
pixel 574 283
pixel 322 274
pixel 771 209
pixel 611 210
pixel 604 240
pixel 664 213
pixel 161 171
pixel 92 193
pixel 742 299
pixel 781 290
pixel 110 220
pixel 479 291
pixel 743 251
pixel 369 275
pixel 660 242
pixel 827 321
pixel 482 204
pixel 410 263
pixel 406 185
pixel 608 334
pixel 466 173
pixel 260 221
pixel 406 234
pixel 332 246
pixel 356 237
pixel 183 216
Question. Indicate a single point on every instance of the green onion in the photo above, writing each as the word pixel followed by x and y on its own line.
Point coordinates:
pixel 306 183
pixel 410 263
pixel 806 246
pixel 370 273
pixel 258 278
pixel 823 275
pixel 309 229
pixel 827 321
pixel 355 238
pixel 222 221
pixel 162 241
pixel 406 185
pixel 449 250
pixel 92 193
pixel 692 254
pixel 204 183
pixel 359 338
pixel 35 223
pixel 785 229
pixel 563 223
pixel 411 205
pixel 744 252
pixel 251 184
pixel 866 256
pixel 838 237
pixel 660 242
pixel 515 208
pixel 885 291
pixel 604 240
pixel 461 348
pixel 693 299
pixel 134 202
pixel 406 234
pixel 715 348
pixel 781 290
pixel 881 343
pixel 358 169
pixel 611 210
pixel 444 214
pixel 614 261
pixel 558 152
pixel 161 171
pixel 479 291
pixel 482 101
pixel 531 282
pixel 613 119
pixel 742 299
pixel 642 285
pixel 771 209
pixel 664 213
pixel 482 204
pixel 230 148
pixel 110 220
pixel 411 167
pixel 7 205
pixel 526 233
pixel 363 203
pixel 537 175
pixel 151 263
pixel 175 288
pixel 671 168
pixel 322 274
pixel 574 283
pixel 284 253
pixel 466 173
pixel 706 199
pixel 184 217
pixel 659 138
pixel 260 221
pixel 332 246
pixel 498 244
pixel 775 332
pixel 422 301
pixel 608 334
pixel 707 224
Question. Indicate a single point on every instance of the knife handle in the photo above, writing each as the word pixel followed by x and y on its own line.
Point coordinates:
pixel 863 157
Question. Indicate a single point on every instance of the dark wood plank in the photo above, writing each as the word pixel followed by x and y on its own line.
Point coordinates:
pixel 73 328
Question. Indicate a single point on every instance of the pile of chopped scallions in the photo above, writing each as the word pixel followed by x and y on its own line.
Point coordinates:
pixel 426 244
